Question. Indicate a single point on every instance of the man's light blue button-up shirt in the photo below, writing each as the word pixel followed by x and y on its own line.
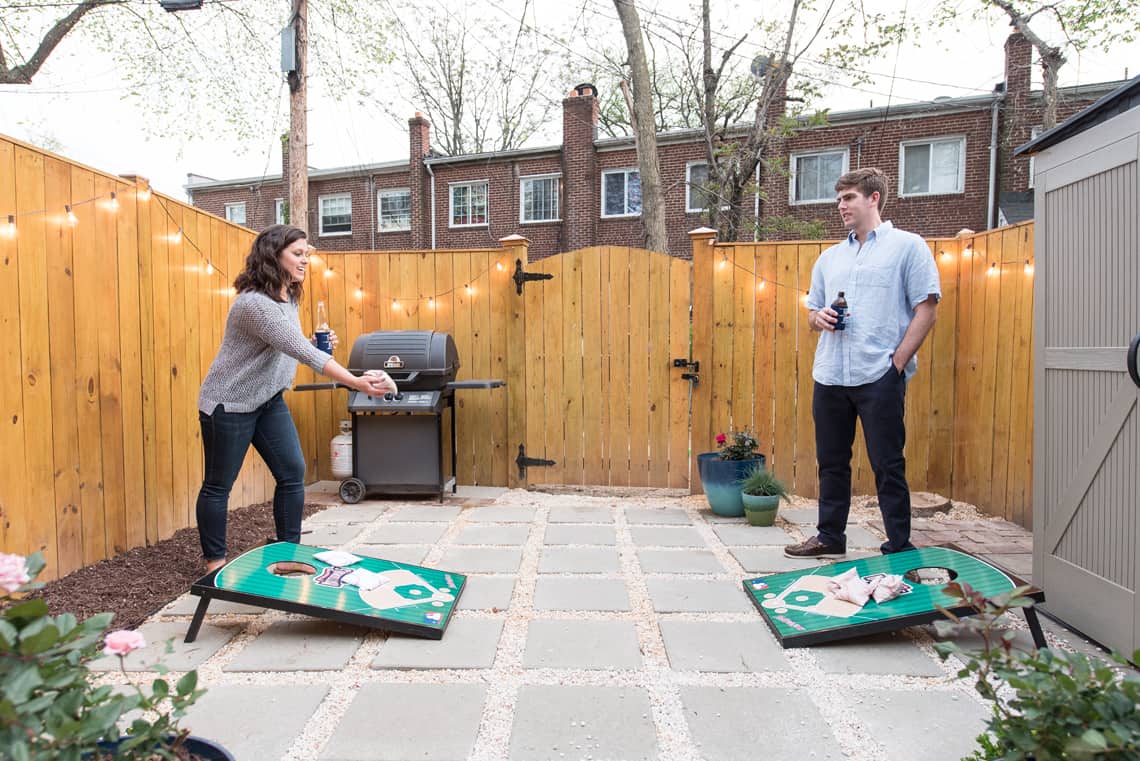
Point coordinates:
pixel 883 280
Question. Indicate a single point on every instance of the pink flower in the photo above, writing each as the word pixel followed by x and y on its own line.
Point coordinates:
pixel 13 572
pixel 721 438
pixel 122 642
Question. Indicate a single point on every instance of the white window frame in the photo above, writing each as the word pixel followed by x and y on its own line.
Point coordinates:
pixel 557 197
pixel 1033 133
pixel 230 207
pixel 961 188
pixel 278 211
pixel 321 215
pixel 793 158
pixel 602 192
pixel 380 217
pixel 689 188
pixel 451 186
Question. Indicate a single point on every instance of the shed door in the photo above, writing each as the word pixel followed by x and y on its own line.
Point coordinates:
pixel 1087 425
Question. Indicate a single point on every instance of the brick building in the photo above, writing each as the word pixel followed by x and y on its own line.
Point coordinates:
pixel 950 162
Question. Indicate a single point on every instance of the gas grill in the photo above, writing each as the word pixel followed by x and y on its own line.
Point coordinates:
pixel 397 439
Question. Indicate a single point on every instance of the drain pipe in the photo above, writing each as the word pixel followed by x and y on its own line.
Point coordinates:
pixel 756 207
pixel 991 201
pixel 427 166
pixel 375 203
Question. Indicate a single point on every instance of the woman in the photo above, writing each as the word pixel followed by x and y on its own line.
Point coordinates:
pixel 241 398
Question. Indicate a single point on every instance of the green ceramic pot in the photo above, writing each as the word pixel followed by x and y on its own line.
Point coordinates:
pixel 760 511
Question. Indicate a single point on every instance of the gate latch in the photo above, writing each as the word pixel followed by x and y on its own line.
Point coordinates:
pixel 522 276
pixel 525 462
pixel 695 375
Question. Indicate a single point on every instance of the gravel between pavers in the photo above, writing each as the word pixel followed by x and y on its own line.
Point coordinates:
pixel 832 694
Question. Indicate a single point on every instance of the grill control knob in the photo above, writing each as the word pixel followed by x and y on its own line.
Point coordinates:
pixel 388 396
pixel 399 396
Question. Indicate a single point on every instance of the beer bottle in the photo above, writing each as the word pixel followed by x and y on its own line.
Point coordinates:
pixel 840 306
pixel 322 331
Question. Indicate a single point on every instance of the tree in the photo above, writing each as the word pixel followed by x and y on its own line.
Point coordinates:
pixel 22 73
pixel 644 129
pixel 1080 25
pixel 480 92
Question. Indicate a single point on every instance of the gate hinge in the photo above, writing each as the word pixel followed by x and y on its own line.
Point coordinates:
pixel 525 462
pixel 522 276
pixel 695 375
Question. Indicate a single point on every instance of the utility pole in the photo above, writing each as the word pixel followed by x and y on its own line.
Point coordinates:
pixel 298 131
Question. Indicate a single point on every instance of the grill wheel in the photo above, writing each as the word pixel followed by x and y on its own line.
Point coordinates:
pixel 351 490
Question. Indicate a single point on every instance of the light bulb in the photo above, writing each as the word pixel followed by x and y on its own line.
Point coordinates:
pixel 946 255
pixel 10 228
pixel 499 266
pixel 723 263
pixel 395 304
pixel 993 269
pixel 113 204
pixel 967 252
pixel 209 269
pixel 329 272
pixel 1028 267
pixel 359 293
pixel 177 236
pixel 71 218
pixel 431 303
pixel 760 285
pixel 470 291
pixel 144 194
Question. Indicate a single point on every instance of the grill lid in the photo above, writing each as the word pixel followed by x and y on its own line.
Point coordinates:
pixel 417 360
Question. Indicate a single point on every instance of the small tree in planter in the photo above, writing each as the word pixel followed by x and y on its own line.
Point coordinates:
pixel 1047 704
pixel 723 470
pixel 761 493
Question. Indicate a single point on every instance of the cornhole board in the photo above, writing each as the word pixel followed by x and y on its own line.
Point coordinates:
pixel 800 613
pixel 284 576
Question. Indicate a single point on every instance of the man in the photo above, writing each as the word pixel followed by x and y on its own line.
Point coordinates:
pixel 890 281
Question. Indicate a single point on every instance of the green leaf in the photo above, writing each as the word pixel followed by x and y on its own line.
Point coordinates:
pixel 37 642
pixel 27 609
pixel 159 689
pixel 1094 739
pixel 19 752
pixel 187 683
pixel 20 683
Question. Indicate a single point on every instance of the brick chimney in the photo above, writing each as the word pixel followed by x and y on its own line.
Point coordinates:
pixel 419 146
pixel 1018 115
pixel 580 183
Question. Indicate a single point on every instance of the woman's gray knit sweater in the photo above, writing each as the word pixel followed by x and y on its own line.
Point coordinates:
pixel 259 354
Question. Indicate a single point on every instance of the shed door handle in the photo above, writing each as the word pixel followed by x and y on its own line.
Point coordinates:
pixel 1132 349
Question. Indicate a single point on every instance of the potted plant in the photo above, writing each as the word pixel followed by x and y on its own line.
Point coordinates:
pixel 49 707
pixel 723 470
pixel 761 493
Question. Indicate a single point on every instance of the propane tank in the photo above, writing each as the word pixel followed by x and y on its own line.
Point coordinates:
pixel 342 451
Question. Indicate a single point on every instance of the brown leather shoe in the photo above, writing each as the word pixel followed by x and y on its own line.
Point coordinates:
pixel 814 548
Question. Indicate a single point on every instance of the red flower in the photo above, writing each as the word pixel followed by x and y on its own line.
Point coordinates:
pixel 721 438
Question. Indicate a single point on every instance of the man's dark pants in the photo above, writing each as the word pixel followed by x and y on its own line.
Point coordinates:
pixel 880 407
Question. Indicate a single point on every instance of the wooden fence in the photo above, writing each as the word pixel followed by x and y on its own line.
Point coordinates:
pixel 969 409
pixel 112 319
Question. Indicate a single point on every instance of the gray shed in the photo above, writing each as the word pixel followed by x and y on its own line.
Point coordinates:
pixel 1086 440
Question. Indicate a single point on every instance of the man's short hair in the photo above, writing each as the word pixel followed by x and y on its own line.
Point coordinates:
pixel 867 181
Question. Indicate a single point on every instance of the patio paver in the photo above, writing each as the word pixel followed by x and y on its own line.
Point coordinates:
pixel 743 535
pixel 468 643
pixel 697 595
pixel 575 644
pixel 366 512
pixel 309 645
pixel 223 714
pixel 903 722
pixel 581 722
pixel 722 646
pixel 481 559
pixel 878 654
pixel 425 513
pixel 407 533
pixel 579 560
pixel 188 603
pixel 480 534
pixel 573 534
pixel 331 534
pixel 500 514
pixel 557 593
pixel 660 516
pixel 666 536
pixel 399 553
pixel 679 561
pixel 185 655
pixel 581 514
pixel 486 593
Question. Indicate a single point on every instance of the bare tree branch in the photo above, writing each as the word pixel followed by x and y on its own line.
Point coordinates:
pixel 23 73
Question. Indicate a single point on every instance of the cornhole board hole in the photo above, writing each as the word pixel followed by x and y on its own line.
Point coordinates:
pixel 800 613
pixel 411 600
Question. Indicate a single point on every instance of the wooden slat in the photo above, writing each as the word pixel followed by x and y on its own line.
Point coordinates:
pixel 764 357
pixel 554 426
pixel 465 419
pixel 496 426
pixel 806 471
pixel 968 376
pixel 513 308
pixel 680 286
pixel 788 315
pixel 1009 279
pixel 639 368
pixel 918 417
pixel 702 327
pixel 593 400
pixel 146 275
pixel 179 388
pixel 618 392
pixel 200 348
pixel 480 357
pixel 940 347
pixel 573 364
pixel 720 377
pixel 1020 445
pixel 535 379
pixel 161 230
pixel 983 450
pixel 660 369
pixel 743 338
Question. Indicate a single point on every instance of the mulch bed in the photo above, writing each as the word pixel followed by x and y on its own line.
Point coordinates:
pixel 139 582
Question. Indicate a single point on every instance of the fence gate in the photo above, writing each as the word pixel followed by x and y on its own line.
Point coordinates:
pixel 598 396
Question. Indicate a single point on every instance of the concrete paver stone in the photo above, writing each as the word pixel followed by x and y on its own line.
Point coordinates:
pixel 558 593
pixel 773 559
pixel 399 722
pixel 398 553
pixel 425 513
pixel 581 514
pixel 254 721
pixel 188 603
pixel 743 535
pixel 572 534
pixel 579 560
pixel 666 536
pixel 679 561
pixel 331 534
pixel 487 593
pixel 891 653
pixel 697 596
pixel 481 534
pixel 803 516
pixel 309 645
pixel 481 559
pixel 577 644
pixel 407 533
pixel 186 655
pixel 468 643
pixel 365 512
pixel 500 514
pixel 648 515
pixel 906 721
pixel 860 538
pixel 582 722
pixel 749 723
pixel 722 646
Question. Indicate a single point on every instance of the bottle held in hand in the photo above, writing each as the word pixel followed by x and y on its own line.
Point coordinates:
pixel 840 307
pixel 322 331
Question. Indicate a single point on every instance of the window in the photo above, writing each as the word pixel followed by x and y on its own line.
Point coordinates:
pixel 933 166
pixel 621 193
pixel 814 175
pixel 538 199
pixel 697 196
pixel 336 214
pixel 469 204
pixel 279 217
pixel 394 209
pixel 1033 133
pixel 235 212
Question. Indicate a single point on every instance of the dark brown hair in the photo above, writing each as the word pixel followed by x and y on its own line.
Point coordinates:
pixel 867 181
pixel 263 271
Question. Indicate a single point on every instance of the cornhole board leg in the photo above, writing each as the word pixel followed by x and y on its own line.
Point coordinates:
pixel 199 616
pixel 1035 627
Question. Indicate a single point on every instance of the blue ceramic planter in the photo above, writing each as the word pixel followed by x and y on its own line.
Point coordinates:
pixel 207 750
pixel 721 481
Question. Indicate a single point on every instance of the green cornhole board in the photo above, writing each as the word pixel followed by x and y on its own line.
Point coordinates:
pixel 800 613
pixel 284 576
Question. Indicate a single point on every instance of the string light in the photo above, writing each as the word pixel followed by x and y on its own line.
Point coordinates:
pixel 177 236
pixel 993 269
pixel 395 304
pixel 468 289
pixel 499 266
pixel 760 285
pixel 209 268
pixel 144 194
pixel 71 218
pixel 10 228
pixel 329 272
pixel 113 204
pixel 359 293
pixel 1028 267
pixel 967 252
pixel 431 303
pixel 945 255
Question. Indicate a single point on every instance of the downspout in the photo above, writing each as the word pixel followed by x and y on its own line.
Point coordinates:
pixel 427 166
pixel 375 202
pixel 756 208
pixel 992 199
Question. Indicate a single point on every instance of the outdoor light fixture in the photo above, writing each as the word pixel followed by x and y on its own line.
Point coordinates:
pixel 946 256
pixel 1028 267
pixel 209 269
pixel 113 204
pixel 176 237
pixel 10 228
pixel 993 270
pixel 144 194
pixel 71 218
pixel 359 293
pixel 329 272
pixel 395 304
pixel 760 285
pixel 470 291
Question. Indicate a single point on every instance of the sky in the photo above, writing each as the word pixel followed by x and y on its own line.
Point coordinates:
pixel 76 105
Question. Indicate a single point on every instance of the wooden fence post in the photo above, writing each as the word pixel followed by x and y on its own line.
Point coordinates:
pixel 515 249
pixel 703 239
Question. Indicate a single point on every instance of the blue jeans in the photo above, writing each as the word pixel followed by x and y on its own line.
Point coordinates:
pixel 226 437
pixel 879 406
